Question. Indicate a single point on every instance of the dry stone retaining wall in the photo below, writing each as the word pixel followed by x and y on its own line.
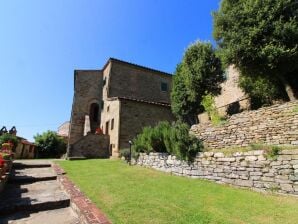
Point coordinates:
pixel 250 169
pixel 277 124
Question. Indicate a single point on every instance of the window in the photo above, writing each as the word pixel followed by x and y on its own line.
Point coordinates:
pixel 104 81
pixel 108 108
pixel 112 124
pixel 164 86
pixel 107 128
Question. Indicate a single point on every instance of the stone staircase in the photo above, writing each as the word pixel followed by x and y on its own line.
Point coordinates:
pixel 33 195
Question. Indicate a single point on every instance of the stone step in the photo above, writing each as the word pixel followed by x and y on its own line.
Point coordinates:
pixel 37 196
pixel 19 166
pixel 56 216
pixel 23 164
pixel 30 175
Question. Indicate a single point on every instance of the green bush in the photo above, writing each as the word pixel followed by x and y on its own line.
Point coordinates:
pixel 126 153
pixel 8 137
pixel 49 145
pixel 171 138
pixel 208 103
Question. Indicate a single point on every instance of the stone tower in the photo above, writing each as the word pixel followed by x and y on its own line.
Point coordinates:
pixel 86 104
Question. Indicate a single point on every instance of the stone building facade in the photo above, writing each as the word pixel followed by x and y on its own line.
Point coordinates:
pixel 120 99
pixel 232 99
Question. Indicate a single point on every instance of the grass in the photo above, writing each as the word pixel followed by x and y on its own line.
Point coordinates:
pixel 271 150
pixel 141 195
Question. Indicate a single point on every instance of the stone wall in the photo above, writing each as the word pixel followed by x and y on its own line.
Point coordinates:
pixel 277 124
pixel 110 122
pixel 132 81
pixel 90 146
pixel 230 90
pixel 250 169
pixel 137 115
pixel 87 90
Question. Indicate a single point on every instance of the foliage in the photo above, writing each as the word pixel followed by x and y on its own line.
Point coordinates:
pixel 9 138
pixel 126 153
pixel 260 37
pixel 133 194
pixel 274 152
pixel 49 145
pixel 295 110
pixel 199 73
pixel 208 103
pixel 262 90
pixel 174 139
pixel 5 156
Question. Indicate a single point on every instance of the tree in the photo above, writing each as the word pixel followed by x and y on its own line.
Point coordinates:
pixel 49 145
pixel 260 37
pixel 198 74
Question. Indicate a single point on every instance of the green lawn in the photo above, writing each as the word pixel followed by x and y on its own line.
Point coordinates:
pixel 141 195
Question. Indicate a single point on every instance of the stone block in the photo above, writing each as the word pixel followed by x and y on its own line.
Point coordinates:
pixel 284 157
pixel 271 185
pixel 258 152
pixel 286 187
pixel 285 171
pixel 289 152
pixel 261 158
pixel 226 159
pixel 256 173
pixel 218 155
pixel 268 179
pixel 228 181
pixel 244 183
pixel 251 158
pixel 232 176
pixel 255 177
pixel 275 163
pixel 208 154
pixel 218 170
pixel 293 177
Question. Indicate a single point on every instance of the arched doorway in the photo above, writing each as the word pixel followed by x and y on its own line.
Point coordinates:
pixel 94 117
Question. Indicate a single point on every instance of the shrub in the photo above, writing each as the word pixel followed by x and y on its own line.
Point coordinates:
pixel 174 139
pixel 49 145
pixel 126 153
pixel 208 103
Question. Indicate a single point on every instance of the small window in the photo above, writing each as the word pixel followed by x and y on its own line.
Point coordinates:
pixel 107 128
pixel 104 81
pixel 164 86
pixel 112 124
pixel 108 108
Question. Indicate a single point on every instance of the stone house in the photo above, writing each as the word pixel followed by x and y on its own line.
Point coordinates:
pixel 120 99
pixel 232 99
pixel 63 131
pixel 25 149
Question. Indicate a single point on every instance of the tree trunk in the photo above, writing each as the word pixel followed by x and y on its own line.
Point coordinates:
pixel 289 89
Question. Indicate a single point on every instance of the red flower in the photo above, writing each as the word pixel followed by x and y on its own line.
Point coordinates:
pixel 2 161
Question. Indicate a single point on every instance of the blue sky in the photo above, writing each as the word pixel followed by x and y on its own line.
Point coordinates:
pixel 42 42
